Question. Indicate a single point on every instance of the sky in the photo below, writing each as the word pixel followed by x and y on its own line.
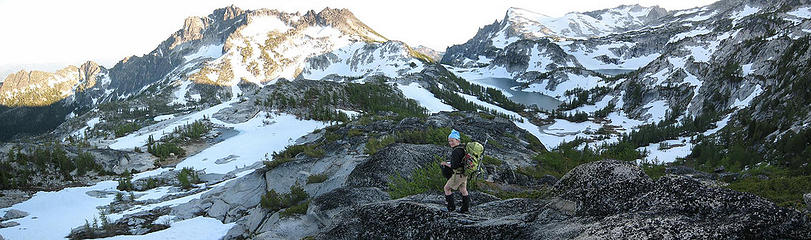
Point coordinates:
pixel 51 34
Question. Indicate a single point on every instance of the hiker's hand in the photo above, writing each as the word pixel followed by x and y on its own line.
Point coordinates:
pixel 445 164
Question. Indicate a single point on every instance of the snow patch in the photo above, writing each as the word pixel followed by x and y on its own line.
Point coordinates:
pixel 747 69
pixel 257 137
pixel 53 214
pixel 745 102
pixel 803 12
pixel 424 97
pixel 260 26
pixel 693 33
pixel 208 51
pixel 657 110
pixel 194 228
pixel 92 122
pixel 667 151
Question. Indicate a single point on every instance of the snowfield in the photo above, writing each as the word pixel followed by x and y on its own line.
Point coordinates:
pixel 54 214
pixel 424 97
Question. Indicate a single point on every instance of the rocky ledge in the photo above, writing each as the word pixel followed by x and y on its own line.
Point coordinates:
pixel 602 200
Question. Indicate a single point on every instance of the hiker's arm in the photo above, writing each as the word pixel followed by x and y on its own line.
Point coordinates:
pixel 456 158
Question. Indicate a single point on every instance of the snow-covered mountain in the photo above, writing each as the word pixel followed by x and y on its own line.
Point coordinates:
pixel 687 63
pixel 520 24
pixel 225 48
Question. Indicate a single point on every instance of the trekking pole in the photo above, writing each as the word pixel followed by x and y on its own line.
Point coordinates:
pixel 481 161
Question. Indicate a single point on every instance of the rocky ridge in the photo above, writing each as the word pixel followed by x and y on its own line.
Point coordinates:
pixel 605 199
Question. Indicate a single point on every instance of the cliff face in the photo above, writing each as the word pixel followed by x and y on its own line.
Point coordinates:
pixel 38 88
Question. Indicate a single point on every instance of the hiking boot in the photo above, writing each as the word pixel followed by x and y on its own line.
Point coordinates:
pixel 451 204
pixel 465 204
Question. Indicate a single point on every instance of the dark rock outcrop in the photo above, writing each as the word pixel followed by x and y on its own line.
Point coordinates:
pixel 603 188
pixel 411 220
pixel 393 160
pixel 601 200
pixel 807 198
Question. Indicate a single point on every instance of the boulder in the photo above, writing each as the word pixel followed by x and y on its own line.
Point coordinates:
pixel 807 198
pixel 398 158
pixel 9 224
pixel 329 204
pixel 604 187
pixel 13 214
pixel 410 220
pixel 438 198
pixel 683 208
pixel 228 202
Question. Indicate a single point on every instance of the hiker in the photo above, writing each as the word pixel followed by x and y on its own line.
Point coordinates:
pixel 458 180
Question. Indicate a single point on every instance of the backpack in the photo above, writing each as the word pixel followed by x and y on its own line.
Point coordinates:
pixel 472 159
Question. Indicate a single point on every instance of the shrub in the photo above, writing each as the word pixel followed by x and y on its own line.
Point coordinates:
pixel 274 201
pixel 354 132
pixel 290 152
pixel 124 129
pixel 164 150
pixel 374 144
pixel 491 160
pixel 423 179
pixel 194 130
pixel 84 162
pixel 785 191
pixel 271 164
pixel 125 184
pixel 298 209
pixel 187 177
pixel 317 178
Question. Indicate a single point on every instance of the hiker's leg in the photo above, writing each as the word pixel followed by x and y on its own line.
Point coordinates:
pixel 463 188
pixel 447 187
pixel 451 204
pixel 465 204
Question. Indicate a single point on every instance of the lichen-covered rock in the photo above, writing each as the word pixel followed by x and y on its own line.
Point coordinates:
pixel 327 205
pixel 411 220
pixel 604 187
pixel 679 207
pixel 807 198
pixel 392 160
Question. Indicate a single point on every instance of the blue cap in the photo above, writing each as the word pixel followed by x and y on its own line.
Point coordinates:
pixel 454 134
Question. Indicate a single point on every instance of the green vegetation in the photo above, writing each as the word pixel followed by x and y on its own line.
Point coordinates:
pixel 732 72
pixel 785 191
pixel 22 166
pixel 380 97
pixel 317 178
pixel 153 183
pixel 290 152
pixel 354 132
pixel 195 130
pixel 431 135
pixel 187 177
pixel 124 129
pixel 298 209
pixel 563 159
pixel 164 150
pixel 86 162
pixel 125 182
pixel 582 97
pixel 423 179
pixel 374 144
pixel 491 160
pixel 297 199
